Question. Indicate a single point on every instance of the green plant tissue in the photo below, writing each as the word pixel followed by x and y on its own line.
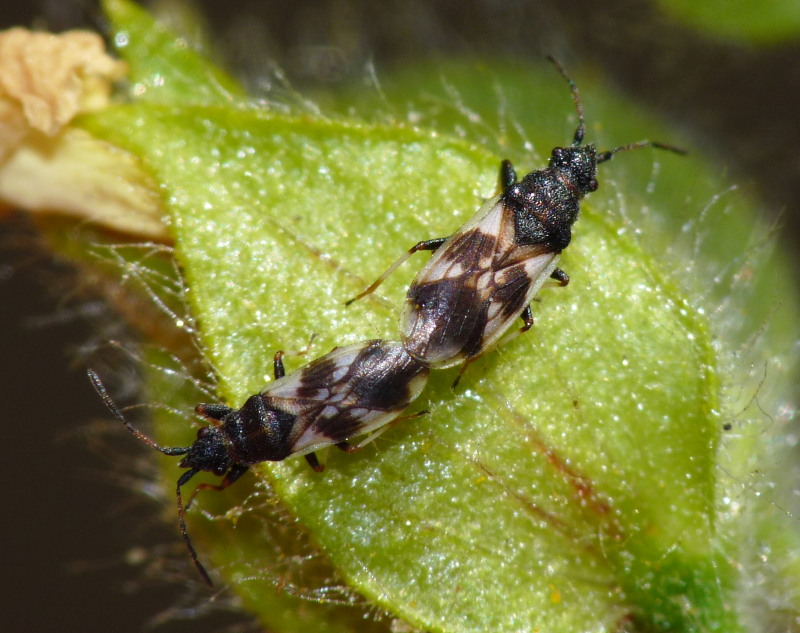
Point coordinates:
pixel 577 480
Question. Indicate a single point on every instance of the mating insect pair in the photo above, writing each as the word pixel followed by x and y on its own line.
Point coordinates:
pixel 460 305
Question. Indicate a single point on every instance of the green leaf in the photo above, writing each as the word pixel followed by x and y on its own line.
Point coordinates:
pixel 748 21
pixel 571 482
pixel 542 467
pixel 164 67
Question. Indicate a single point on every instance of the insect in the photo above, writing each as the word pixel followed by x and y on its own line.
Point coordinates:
pixel 483 277
pixel 351 391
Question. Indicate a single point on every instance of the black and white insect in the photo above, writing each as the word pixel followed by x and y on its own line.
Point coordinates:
pixel 352 391
pixel 484 276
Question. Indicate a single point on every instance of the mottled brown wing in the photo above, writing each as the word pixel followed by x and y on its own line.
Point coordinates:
pixel 474 286
pixel 350 391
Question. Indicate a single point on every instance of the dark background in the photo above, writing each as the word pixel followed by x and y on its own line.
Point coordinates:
pixel 67 525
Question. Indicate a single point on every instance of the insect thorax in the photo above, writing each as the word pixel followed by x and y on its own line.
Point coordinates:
pixel 545 207
pixel 258 431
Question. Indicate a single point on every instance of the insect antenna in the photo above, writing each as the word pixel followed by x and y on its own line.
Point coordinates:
pixel 602 157
pixel 580 132
pixel 100 388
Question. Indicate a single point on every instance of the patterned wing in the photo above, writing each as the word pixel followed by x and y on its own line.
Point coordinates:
pixel 350 391
pixel 472 289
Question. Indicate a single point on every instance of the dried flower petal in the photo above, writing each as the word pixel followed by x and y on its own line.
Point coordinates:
pixel 46 79
pixel 46 166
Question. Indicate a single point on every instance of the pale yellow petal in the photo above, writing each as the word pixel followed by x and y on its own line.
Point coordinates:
pixel 46 166
pixel 77 174
pixel 47 79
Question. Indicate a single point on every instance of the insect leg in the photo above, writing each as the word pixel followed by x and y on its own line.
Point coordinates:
pixel 508 176
pixel 212 411
pixel 527 319
pixel 461 372
pixel 277 363
pixel 560 276
pixel 277 360
pixel 347 447
pixel 312 460
pixel 427 245
pixel 233 474
pixel 527 324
